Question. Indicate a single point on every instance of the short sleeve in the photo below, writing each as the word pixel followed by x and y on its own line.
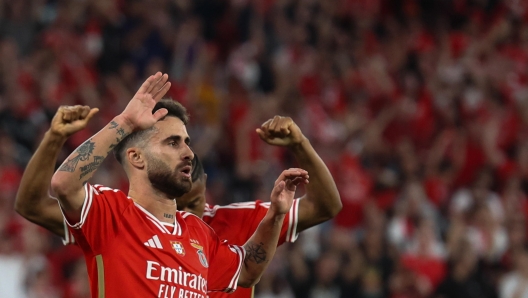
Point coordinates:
pixel 100 216
pixel 289 227
pixel 238 221
pixel 68 239
pixel 225 265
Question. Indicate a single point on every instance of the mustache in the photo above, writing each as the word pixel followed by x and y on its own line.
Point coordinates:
pixel 184 164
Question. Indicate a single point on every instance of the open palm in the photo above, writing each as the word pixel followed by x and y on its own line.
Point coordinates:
pixel 138 113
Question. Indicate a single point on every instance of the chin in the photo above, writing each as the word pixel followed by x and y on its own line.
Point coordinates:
pixel 185 184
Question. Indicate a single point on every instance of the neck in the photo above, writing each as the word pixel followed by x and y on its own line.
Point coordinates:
pixel 157 203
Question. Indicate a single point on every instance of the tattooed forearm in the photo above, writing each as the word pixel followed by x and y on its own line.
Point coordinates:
pixel 83 154
pixel 70 165
pixel 255 252
pixel 89 168
pixel 121 134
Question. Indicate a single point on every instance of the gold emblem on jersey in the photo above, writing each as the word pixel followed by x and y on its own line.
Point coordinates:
pixel 178 247
pixel 201 255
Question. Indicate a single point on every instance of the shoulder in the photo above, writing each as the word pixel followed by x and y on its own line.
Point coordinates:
pixel 192 220
pixel 111 196
pixel 245 207
pixel 99 189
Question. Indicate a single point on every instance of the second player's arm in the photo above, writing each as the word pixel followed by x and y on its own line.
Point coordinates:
pixel 321 201
pixel 33 201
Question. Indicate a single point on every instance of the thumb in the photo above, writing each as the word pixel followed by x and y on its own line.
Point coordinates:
pixel 91 114
pixel 279 188
pixel 261 133
pixel 160 114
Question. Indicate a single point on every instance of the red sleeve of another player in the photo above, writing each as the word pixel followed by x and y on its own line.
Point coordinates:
pixel 289 227
pixel 225 265
pixel 100 216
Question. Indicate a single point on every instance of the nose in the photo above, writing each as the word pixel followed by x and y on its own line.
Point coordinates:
pixel 188 154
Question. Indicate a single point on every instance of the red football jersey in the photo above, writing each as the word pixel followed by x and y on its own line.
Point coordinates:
pixel 130 253
pixel 237 222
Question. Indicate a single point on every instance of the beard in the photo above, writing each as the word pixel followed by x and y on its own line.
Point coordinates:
pixel 164 179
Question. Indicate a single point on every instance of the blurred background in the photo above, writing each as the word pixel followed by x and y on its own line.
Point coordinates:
pixel 418 107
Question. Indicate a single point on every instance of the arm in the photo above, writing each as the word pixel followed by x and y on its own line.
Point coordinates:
pixel 68 182
pixel 322 201
pixel 33 201
pixel 261 247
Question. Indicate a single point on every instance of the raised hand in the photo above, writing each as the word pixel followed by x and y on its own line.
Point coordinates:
pixel 284 190
pixel 138 113
pixel 280 131
pixel 71 119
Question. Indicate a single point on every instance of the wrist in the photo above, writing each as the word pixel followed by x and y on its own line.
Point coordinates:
pixel 300 145
pixel 274 217
pixel 124 123
pixel 56 137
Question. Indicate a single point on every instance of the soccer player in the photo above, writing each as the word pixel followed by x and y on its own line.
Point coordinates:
pixel 139 245
pixel 234 222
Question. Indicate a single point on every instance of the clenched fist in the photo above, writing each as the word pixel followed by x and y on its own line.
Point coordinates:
pixel 71 119
pixel 281 131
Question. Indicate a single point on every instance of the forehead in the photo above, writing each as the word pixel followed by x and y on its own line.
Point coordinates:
pixel 170 126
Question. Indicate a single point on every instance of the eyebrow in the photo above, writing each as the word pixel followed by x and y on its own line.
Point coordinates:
pixel 177 139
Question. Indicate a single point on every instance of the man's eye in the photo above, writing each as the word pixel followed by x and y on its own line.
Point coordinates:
pixel 172 144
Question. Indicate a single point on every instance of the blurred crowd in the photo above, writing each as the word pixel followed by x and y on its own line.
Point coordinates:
pixel 418 107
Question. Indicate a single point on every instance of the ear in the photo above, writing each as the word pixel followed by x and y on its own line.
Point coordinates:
pixel 135 157
pixel 205 178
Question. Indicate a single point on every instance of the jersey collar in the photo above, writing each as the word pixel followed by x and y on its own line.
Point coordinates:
pixel 161 226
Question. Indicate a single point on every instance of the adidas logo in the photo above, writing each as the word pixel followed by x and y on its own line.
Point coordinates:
pixel 154 242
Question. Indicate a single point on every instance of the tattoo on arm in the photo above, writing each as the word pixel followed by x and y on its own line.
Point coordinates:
pixel 113 124
pixel 167 215
pixel 121 134
pixel 87 169
pixel 255 252
pixel 83 154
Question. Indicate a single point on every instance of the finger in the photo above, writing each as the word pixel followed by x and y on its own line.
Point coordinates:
pixel 59 115
pixel 157 78
pixel 278 188
pixel 292 174
pixel 146 85
pixel 265 125
pixel 84 111
pixel 300 180
pixel 66 114
pixel 273 124
pixel 76 112
pixel 160 114
pixel 284 126
pixel 159 84
pixel 159 95
pixel 91 113
pixel 261 134
pixel 291 185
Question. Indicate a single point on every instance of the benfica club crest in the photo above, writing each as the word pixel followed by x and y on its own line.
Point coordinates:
pixel 178 247
pixel 201 255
